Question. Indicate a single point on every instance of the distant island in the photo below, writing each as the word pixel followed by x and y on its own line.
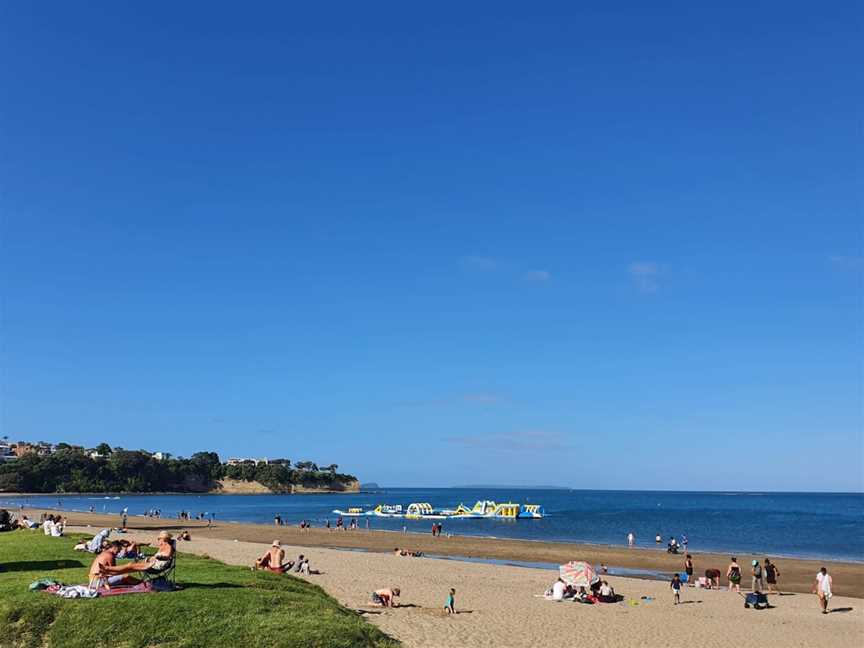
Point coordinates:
pixel 63 468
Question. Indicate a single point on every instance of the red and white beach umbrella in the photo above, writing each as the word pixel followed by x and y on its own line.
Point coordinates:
pixel 577 573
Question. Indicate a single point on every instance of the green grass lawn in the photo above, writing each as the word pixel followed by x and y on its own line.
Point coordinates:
pixel 219 605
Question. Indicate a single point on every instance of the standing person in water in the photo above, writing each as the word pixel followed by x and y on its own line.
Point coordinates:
pixel 733 573
pixel 658 539
pixel 631 539
pixel 771 574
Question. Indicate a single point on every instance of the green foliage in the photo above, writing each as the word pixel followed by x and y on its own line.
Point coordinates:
pixel 220 605
pixel 71 470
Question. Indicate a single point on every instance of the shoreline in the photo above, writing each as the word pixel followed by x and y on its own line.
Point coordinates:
pixel 797 575
pixel 598 546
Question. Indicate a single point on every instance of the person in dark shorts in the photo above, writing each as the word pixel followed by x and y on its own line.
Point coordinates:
pixel 688 568
pixel 713 576
pixel 733 574
pixel 771 574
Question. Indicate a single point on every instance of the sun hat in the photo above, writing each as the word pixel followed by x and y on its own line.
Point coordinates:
pixel 755 562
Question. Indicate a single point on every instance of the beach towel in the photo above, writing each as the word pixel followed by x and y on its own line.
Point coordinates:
pixel 76 591
pixel 140 588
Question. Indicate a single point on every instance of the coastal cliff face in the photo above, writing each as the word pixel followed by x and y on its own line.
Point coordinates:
pixel 352 486
pixel 229 486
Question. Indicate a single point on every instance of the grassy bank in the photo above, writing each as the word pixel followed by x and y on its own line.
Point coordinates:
pixel 219 605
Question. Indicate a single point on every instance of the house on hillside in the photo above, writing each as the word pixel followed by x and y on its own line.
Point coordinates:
pixel 7 452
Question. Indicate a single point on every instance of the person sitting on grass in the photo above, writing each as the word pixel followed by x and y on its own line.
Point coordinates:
pixel 154 567
pixel 27 523
pixel 272 560
pixel 385 597
pixel 184 535
pixel 105 559
pixel 129 550
pixel 450 603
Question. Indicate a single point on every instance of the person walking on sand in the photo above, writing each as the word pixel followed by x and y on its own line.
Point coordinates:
pixel 757 585
pixel 631 539
pixel 823 588
pixel 771 574
pixel 688 568
pixel 676 589
pixel 450 604
pixel 733 574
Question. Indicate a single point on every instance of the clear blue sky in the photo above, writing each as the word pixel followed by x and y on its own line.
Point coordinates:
pixel 602 245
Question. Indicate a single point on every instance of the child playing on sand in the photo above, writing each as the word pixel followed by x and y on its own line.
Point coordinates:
pixel 676 588
pixel 450 605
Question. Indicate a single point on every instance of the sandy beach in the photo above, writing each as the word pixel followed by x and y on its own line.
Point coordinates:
pixel 499 604
pixel 796 575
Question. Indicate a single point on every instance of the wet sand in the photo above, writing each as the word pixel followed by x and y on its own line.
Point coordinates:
pixel 796 575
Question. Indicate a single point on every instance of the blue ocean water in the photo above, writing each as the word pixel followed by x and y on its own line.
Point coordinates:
pixel 807 525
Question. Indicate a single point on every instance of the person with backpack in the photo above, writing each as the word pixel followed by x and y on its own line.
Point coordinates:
pixel 758 585
pixel 733 573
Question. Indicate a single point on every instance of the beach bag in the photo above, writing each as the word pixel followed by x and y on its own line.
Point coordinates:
pixel 758 601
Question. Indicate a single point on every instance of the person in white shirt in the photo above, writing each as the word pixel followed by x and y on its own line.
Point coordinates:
pixel 558 590
pixel 631 538
pixel 606 593
pixel 47 525
pixel 823 587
